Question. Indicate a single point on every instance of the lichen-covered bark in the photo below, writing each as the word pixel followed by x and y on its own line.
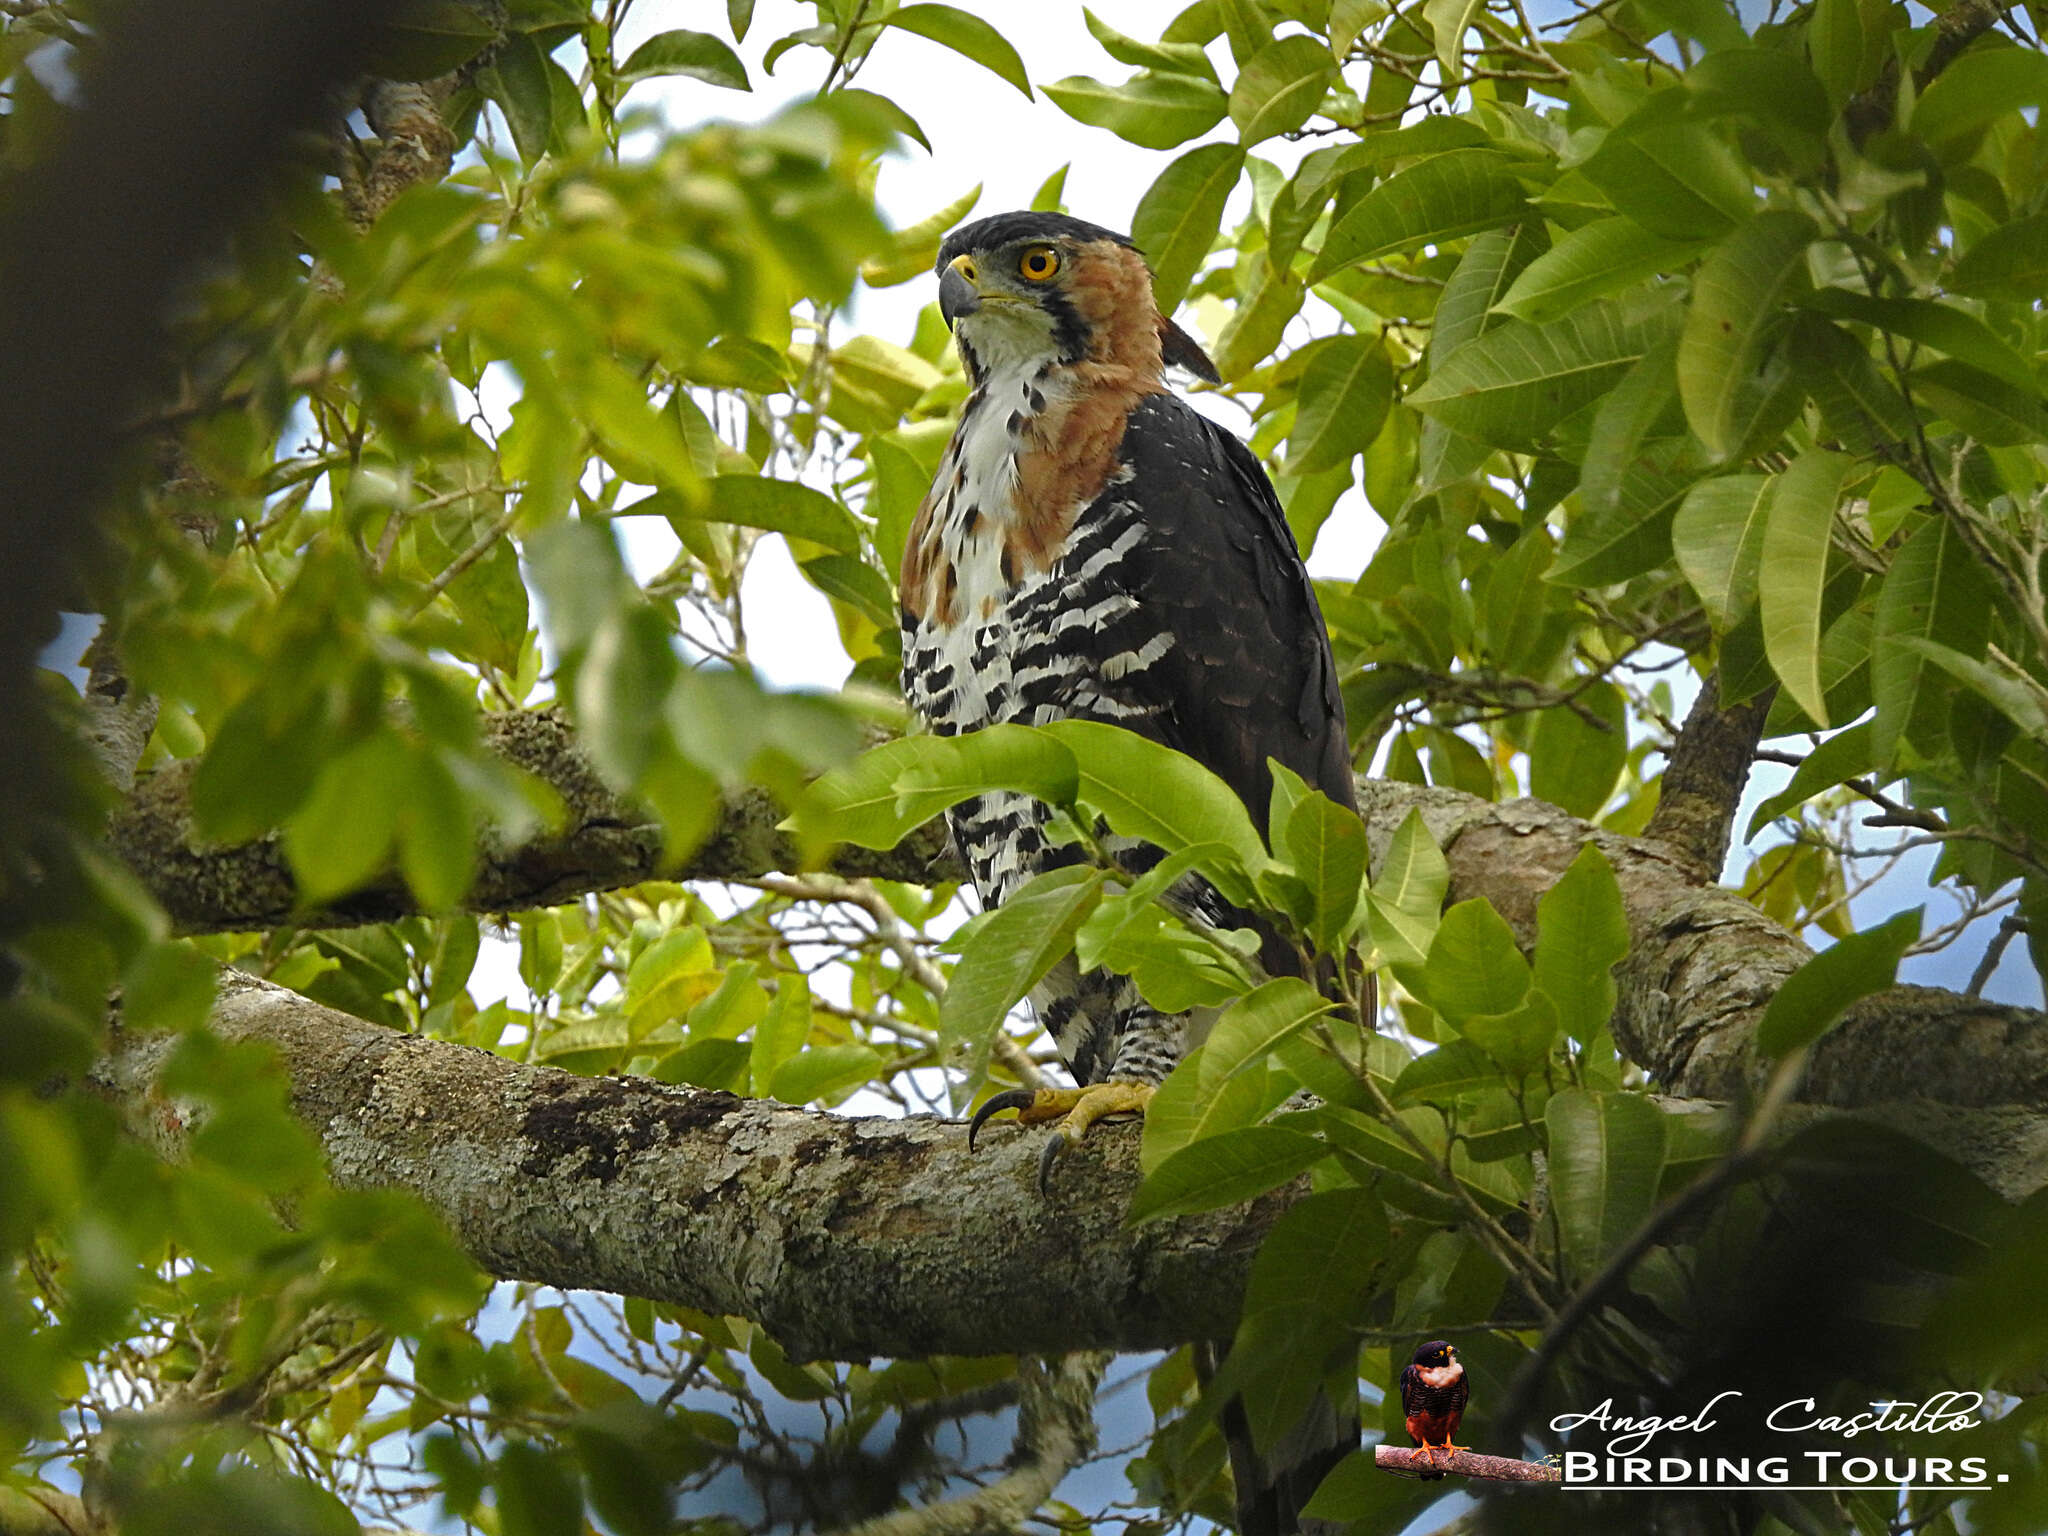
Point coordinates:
pixel 845 1238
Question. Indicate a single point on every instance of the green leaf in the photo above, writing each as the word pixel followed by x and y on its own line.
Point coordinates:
pixel 1178 217
pixel 1155 111
pixel 1473 967
pixel 1606 1153
pixel 967 35
pixel 781 506
pixel 1841 757
pixel 1581 935
pixel 2020 698
pixel 1519 1039
pixel 1735 307
pixel 1813 997
pixel 1280 88
pixel 1357 1490
pixel 1572 762
pixel 1184 1111
pixel 436 835
pixel 1448 20
pixel 1260 320
pixel 721 1064
pixel 1858 403
pixel 1675 178
pixel 698 55
pixel 1224 1169
pixel 1517 381
pixel 1794 571
pixel 1457 193
pixel 1010 952
pixel 1985 83
pixel 1452 1071
pixel 517 79
pixel 1719 538
pixel 1941 326
pixel 1592 260
pixel 428 38
pixel 1931 593
pixel 916 246
pixel 2010 262
pixel 342 836
pixel 1987 408
pixel 824 1072
pixel 1326 844
pixel 1408 892
pixel 1343 398
pixel 1147 790
pixel 781 1032
pixel 1839 46
pixel 1257 1022
pixel 1170 58
pixel 1049 198
pixel 883 793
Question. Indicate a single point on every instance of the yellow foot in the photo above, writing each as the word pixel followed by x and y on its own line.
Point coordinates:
pixel 1075 1108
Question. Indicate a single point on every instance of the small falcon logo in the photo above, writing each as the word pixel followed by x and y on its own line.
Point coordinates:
pixel 1434 1393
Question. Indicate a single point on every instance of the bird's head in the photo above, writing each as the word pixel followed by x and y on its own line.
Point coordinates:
pixel 1436 1353
pixel 1021 290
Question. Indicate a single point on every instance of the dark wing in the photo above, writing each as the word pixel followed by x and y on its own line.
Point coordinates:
pixel 1412 1389
pixel 1461 1393
pixel 1249 674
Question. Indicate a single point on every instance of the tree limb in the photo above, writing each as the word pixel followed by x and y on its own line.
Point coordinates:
pixel 1494 1469
pixel 1704 777
pixel 845 1238
pixel 1055 1434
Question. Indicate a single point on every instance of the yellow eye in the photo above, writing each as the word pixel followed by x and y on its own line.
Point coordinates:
pixel 1039 263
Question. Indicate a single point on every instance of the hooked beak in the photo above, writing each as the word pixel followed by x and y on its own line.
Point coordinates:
pixel 957 293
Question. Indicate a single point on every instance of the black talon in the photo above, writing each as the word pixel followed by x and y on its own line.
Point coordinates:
pixel 1054 1145
pixel 1009 1098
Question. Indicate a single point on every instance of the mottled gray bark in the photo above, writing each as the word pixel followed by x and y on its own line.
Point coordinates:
pixel 845 1238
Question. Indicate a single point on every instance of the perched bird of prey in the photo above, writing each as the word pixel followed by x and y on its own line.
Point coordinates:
pixel 1094 548
pixel 1434 1393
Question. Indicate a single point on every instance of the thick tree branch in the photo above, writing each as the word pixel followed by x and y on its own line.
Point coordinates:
pixel 845 1238
pixel 1702 968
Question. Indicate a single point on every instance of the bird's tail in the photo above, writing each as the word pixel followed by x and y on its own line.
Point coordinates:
pixel 1273 1489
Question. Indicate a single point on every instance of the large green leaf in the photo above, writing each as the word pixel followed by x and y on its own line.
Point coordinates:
pixel 1813 997
pixel 1581 935
pixel 1179 215
pixel 1257 1022
pixel 1606 1155
pixel 1156 111
pixel 2010 262
pixel 1736 301
pixel 1932 592
pixel 1794 570
pixel 882 794
pixel 1223 1170
pixel 1342 400
pixel 1986 407
pixel 1676 178
pixel 1147 790
pixel 1325 842
pixel 1280 87
pixel 1178 58
pixel 1574 763
pixel 1842 756
pixel 1457 193
pixel 967 35
pixel 1514 383
pixel 1719 538
pixel 782 506
pixel 1011 949
pixel 1408 892
pixel 1941 326
pixel 1592 260
pixel 698 55
pixel 1985 83
pixel 1473 967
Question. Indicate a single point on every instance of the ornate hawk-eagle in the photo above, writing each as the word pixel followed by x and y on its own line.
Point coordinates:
pixel 1094 548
